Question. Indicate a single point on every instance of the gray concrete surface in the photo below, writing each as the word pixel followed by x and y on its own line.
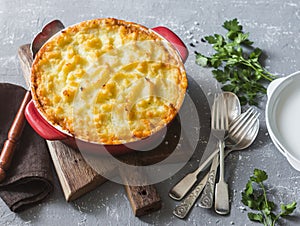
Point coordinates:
pixel 273 25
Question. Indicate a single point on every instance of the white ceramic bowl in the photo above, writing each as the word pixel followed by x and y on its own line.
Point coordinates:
pixel 283 116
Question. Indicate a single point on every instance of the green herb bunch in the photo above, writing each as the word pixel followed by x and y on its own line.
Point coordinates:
pixel 236 63
pixel 257 200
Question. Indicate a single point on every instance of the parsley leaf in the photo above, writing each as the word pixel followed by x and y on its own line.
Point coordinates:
pixel 287 209
pixel 201 60
pixel 233 25
pixel 259 176
pixel 236 63
pixel 256 217
pixel 256 199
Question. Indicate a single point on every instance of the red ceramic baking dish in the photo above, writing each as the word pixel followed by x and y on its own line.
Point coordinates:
pixel 45 112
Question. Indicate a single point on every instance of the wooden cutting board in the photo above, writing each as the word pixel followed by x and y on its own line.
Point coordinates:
pixel 77 177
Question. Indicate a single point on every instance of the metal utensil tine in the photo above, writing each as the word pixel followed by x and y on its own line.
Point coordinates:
pixel 242 118
pixel 242 121
pixel 213 112
pixel 237 122
pixel 247 126
pixel 220 112
pixel 217 112
pixel 225 111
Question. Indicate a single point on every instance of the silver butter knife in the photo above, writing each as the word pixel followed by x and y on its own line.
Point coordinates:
pixel 186 183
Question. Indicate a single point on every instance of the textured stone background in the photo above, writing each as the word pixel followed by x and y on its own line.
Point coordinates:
pixel 273 25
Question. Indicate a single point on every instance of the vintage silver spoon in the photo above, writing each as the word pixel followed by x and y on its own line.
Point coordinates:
pixel 243 141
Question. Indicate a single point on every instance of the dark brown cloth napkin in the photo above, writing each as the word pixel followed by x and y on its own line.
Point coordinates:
pixel 30 176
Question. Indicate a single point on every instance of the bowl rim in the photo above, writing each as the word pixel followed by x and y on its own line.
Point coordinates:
pixel 270 122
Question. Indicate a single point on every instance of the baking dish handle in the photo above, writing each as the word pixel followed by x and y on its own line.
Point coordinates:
pixel 174 39
pixel 40 125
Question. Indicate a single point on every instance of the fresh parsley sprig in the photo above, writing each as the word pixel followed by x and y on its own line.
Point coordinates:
pixel 257 200
pixel 236 63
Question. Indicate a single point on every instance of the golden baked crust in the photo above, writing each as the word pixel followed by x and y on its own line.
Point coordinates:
pixel 108 81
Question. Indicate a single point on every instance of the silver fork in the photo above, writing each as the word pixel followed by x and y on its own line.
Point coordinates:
pixel 238 127
pixel 235 140
pixel 219 128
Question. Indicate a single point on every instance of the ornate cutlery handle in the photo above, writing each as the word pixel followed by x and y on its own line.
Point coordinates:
pixel 183 209
pixel 207 197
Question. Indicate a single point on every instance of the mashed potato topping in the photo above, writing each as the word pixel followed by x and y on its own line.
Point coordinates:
pixel 108 81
